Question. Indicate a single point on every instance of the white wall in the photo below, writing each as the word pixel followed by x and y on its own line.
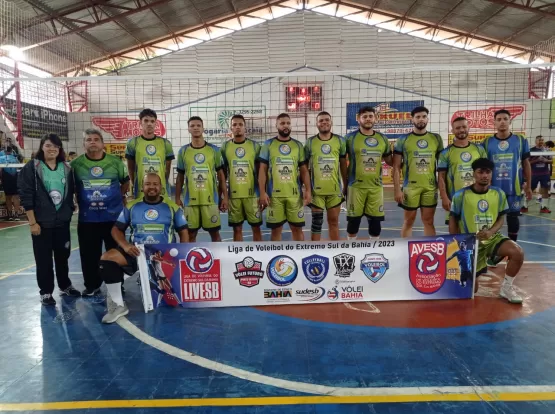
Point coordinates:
pixel 306 42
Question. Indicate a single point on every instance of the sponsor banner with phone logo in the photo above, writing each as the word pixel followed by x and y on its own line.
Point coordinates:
pixel 280 273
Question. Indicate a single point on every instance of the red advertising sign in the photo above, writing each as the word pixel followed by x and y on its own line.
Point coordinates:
pixel 125 128
pixel 483 118
pixel 427 265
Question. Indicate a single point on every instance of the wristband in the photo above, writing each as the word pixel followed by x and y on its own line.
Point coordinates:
pixel 32 224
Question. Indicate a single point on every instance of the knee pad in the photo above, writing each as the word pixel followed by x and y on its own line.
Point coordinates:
pixel 110 272
pixel 513 225
pixel 353 224
pixel 317 221
pixel 374 227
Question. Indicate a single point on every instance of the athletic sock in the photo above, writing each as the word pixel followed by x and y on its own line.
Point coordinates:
pixel 508 280
pixel 114 290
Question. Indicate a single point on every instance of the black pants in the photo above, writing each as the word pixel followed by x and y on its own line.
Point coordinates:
pixel 91 236
pixel 58 241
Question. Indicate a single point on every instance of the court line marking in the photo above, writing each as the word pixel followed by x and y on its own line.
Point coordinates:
pixel 382 395
pixel 419 393
pixel 13 227
pixel 6 275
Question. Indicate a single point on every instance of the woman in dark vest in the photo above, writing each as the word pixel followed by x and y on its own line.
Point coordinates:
pixel 46 190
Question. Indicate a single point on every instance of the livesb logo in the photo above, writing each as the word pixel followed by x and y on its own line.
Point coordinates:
pixel 344 264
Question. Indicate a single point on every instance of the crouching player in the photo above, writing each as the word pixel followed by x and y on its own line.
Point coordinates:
pixel 152 219
pixel 480 209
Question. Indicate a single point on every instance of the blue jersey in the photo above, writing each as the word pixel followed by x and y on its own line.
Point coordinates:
pixel 465 260
pixel 98 185
pixel 152 223
pixel 8 159
pixel 507 155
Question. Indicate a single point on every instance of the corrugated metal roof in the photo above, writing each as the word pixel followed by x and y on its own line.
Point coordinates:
pixel 124 28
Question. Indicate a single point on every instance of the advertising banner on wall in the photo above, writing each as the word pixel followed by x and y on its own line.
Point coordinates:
pixel 477 138
pixel 278 273
pixel 217 121
pixel 123 128
pixel 117 149
pixel 394 117
pixel 480 117
pixel 38 120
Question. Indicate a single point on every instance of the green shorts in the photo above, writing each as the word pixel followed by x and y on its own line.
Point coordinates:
pixel 418 197
pixel 488 248
pixel 207 217
pixel 283 210
pixel 241 209
pixel 326 202
pixel 365 201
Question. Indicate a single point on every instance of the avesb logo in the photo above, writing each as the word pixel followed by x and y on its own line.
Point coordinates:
pixel 151 214
pixel 315 268
pixel 199 260
pixel 374 266
pixel 282 270
pixel 97 171
pixel 427 265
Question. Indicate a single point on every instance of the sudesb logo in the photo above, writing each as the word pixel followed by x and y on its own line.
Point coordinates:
pixel 124 128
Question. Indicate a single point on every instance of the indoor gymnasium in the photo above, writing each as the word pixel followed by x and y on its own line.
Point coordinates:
pixel 277 206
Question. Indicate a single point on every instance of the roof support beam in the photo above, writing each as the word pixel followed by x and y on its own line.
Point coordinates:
pixel 99 23
pixel 527 7
pixel 46 17
pixel 184 32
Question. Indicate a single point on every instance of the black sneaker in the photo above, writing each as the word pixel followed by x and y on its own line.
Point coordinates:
pixel 91 292
pixel 70 291
pixel 47 300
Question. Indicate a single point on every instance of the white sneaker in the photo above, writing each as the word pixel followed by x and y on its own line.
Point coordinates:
pixel 509 292
pixel 115 314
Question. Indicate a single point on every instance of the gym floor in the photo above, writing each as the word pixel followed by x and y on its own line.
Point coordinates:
pixel 466 356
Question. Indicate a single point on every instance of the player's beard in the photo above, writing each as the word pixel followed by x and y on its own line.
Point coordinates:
pixel 149 196
pixel 238 137
pixel 462 136
pixel 284 133
pixel 324 130
pixel 420 125
pixel 367 125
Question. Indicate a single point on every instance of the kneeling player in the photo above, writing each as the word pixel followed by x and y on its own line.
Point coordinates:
pixel 153 219
pixel 480 209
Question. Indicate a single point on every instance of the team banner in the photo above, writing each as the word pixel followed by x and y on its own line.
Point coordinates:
pixel 278 273
pixel 394 117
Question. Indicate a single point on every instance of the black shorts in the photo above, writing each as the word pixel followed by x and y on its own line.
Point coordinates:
pixel 9 183
pixel 132 264
pixel 543 180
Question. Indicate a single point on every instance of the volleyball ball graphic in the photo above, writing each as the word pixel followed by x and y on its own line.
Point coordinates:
pixel 199 260
pixel 427 263
pixel 174 252
pixel 282 270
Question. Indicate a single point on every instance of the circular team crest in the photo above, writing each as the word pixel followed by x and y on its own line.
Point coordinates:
pixel 199 260
pixel 285 149
pixel 150 149
pixel 151 214
pixel 300 214
pixel 199 158
pixel 97 171
pixel 466 156
pixel 483 206
pixel 257 214
pixel 503 145
pixel 56 197
pixel 240 152
pixel 516 205
pixel 214 218
pixel 371 142
pixel 282 270
pixel 326 149
pixel 422 143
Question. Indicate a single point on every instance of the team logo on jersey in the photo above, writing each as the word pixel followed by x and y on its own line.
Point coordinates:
pixel 150 149
pixel 282 270
pixel 503 145
pixel 374 266
pixel 285 149
pixel 422 143
pixel 466 156
pixel 516 205
pixel 326 149
pixel 199 158
pixel 240 152
pixel 371 142
pixel 300 214
pixel 151 214
pixel 483 206
pixel 214 219
pixel 97 171
pixel 315 268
